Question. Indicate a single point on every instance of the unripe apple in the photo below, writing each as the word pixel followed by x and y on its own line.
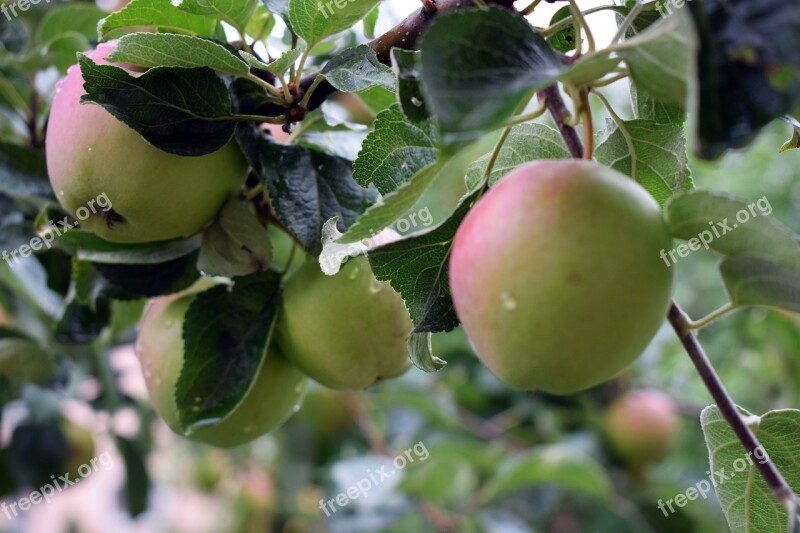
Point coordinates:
pixel 641 426
pixel 346 331
pixel 154 195
pixel 556 276
pixel 273 397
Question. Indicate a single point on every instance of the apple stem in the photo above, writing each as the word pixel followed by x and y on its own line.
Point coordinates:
pixel 683 327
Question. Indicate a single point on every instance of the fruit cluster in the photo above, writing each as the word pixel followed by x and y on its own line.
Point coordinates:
pixel 562 302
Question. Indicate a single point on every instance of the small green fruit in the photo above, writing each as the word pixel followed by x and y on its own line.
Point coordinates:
pixel 273 397
pixel 556 275
pixel 641 426
pixel 119 186
pixel 346 331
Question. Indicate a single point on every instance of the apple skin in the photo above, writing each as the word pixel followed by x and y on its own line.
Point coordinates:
pixel 347 331
pixel 160 196
pixel 273 397
pixel 556 276
pixel 641 426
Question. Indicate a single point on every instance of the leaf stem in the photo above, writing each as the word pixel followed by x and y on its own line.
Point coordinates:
pixel 623 28
pixel 528 10
pixel 683 328
pixel 625 133
pixel 310 91
pixel 580 24
pixel 713 317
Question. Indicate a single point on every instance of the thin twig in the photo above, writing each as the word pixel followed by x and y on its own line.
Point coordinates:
pixel 682 325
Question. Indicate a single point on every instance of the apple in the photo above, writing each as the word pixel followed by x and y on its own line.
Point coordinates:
pixel 556 276
pixel 641 426
pixel 325 412
pixel 346 331
pixel 273 397
pixel 153 195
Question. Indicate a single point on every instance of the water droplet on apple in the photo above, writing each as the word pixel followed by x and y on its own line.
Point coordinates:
pixel 509 303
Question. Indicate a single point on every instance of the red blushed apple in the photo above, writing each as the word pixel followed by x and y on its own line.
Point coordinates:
pixel 556 276
pixel 641 426
pixel 154 195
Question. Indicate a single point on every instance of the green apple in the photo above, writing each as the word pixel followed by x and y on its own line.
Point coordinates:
pixel 641 426
pixel 556 275
pixel 273 397
pixel 346 331
pixel 325 412
pixel 119 186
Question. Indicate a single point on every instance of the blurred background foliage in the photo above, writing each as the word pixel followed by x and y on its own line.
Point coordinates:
pixel 498 460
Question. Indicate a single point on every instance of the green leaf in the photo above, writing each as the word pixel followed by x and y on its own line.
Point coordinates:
pixel 77 18
pixel 756 282
pixel 418 268
pixel 23 173
pixel 394 151
pixel 565 40
pixel 749 70
pixel 149 280
pixel 277 67
pixel 137 480
pixel 746 500
pixel 377 98
pixel 261 23
pixel 314 20
pixel 659 161
pixel 762 258
pixel 645 107
pixel 307 187
pixel 21 361
pixel 178 110
pixel 173 50
pixel 442 479
pixel 356 69
pixel 409 89
pixel 235 12
pixel 392 206
pixel 525 143
pixel 478 66
pixel 225 335
pixel 159 14
pixel 236 244
pixel 661 59
pixel 550 466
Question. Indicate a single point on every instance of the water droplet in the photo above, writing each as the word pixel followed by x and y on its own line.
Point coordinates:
pixel 353 274
pixel 170 323
pixel 61 193
pixel 416 101
pixel 509 303
pixel 90 148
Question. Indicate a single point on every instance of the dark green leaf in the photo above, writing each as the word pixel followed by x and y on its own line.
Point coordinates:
pixel 157 14
pixel 477 66
pixel 356 69
pixel 225 334
pixel 565 40
pixel 409 90
pixel 418 268
pixel 178 110
pixel 394 151
pixel 306 187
